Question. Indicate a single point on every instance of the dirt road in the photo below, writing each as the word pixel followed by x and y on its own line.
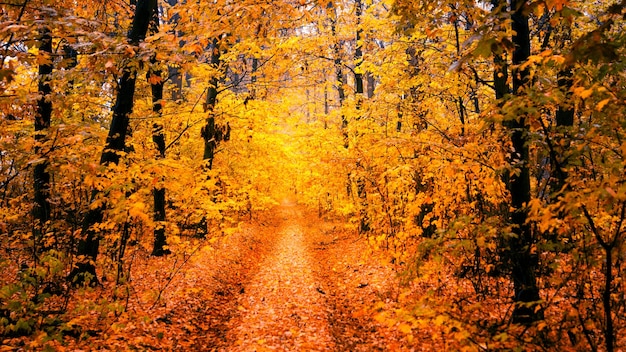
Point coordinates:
pixel 311 292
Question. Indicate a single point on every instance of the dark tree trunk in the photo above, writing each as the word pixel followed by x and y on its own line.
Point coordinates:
pixel 70 60
pixel 41 176
pixel 364 222
pixel 213 133
pixel 88 246
pixel 459 98
pixel 338 68
pixel 176 78
pixel 559 147
pixel 565 113
pixel 209 132
pixel 371 84
pixel 358 53
pixel 501 70
pixel 500 76
pixel 175 75
pixel 519 246
pixel 158 137
pixel 255 68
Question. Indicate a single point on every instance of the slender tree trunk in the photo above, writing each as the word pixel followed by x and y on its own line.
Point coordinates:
pixel 213 133
pixel 174 71
pixel 523 263
pixel 339 81
pixel 255 68
pixel 209 132
pixel 501 70
pixel 338 68
pixel 609 330
pixel 400 116
pixel 340 91
pixel 371 84
pixel 459 98
pixel 41 176
pixel 158 137
pixel 88 246
pixel 564 114
pixel 176 78
pixel 358 52
pixel 364 221
pixel 608 245
pixel 70 60
pixel 564 120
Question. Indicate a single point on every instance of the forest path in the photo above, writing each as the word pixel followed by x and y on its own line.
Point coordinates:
pixel 283 306
pixel 313 291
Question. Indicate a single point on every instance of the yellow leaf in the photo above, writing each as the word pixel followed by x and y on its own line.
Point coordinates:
pixel 405 328
pixel 137 209
pixel 602 104
pixel 440 320
pixel 582 92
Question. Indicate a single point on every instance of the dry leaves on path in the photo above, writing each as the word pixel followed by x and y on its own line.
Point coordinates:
pixel 315 292
pixel 283 308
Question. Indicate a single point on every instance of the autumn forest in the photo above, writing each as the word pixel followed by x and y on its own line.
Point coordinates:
pixel 308 175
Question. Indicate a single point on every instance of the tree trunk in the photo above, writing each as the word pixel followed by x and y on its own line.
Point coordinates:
pixel 209 132
pixel 158 137
pixel 41 177
pixel 459 98
pixel 364 222
pixel 564 120
pixel 358 53
pixel 501 71
pixel 519 244
pixel 213 133
pixel 371 84
pixel 88 246
pixel 174 72
pixel 338 69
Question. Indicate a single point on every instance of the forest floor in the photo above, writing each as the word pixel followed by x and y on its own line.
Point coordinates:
pixel 287 281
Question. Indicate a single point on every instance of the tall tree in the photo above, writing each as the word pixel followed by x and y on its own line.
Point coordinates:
pixel 158 137
pixel 364 222
pixel 88 245
pixel 211 132
pixel 564 116
pixel 358 52
pixel 520 242
pixel 41 175
pixel 339 81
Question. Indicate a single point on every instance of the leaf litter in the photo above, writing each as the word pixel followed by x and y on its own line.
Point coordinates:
pixel 287 281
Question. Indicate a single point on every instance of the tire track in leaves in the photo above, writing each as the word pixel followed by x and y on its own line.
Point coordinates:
pixel 206 296
pixel 354 281
pixel 284 307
